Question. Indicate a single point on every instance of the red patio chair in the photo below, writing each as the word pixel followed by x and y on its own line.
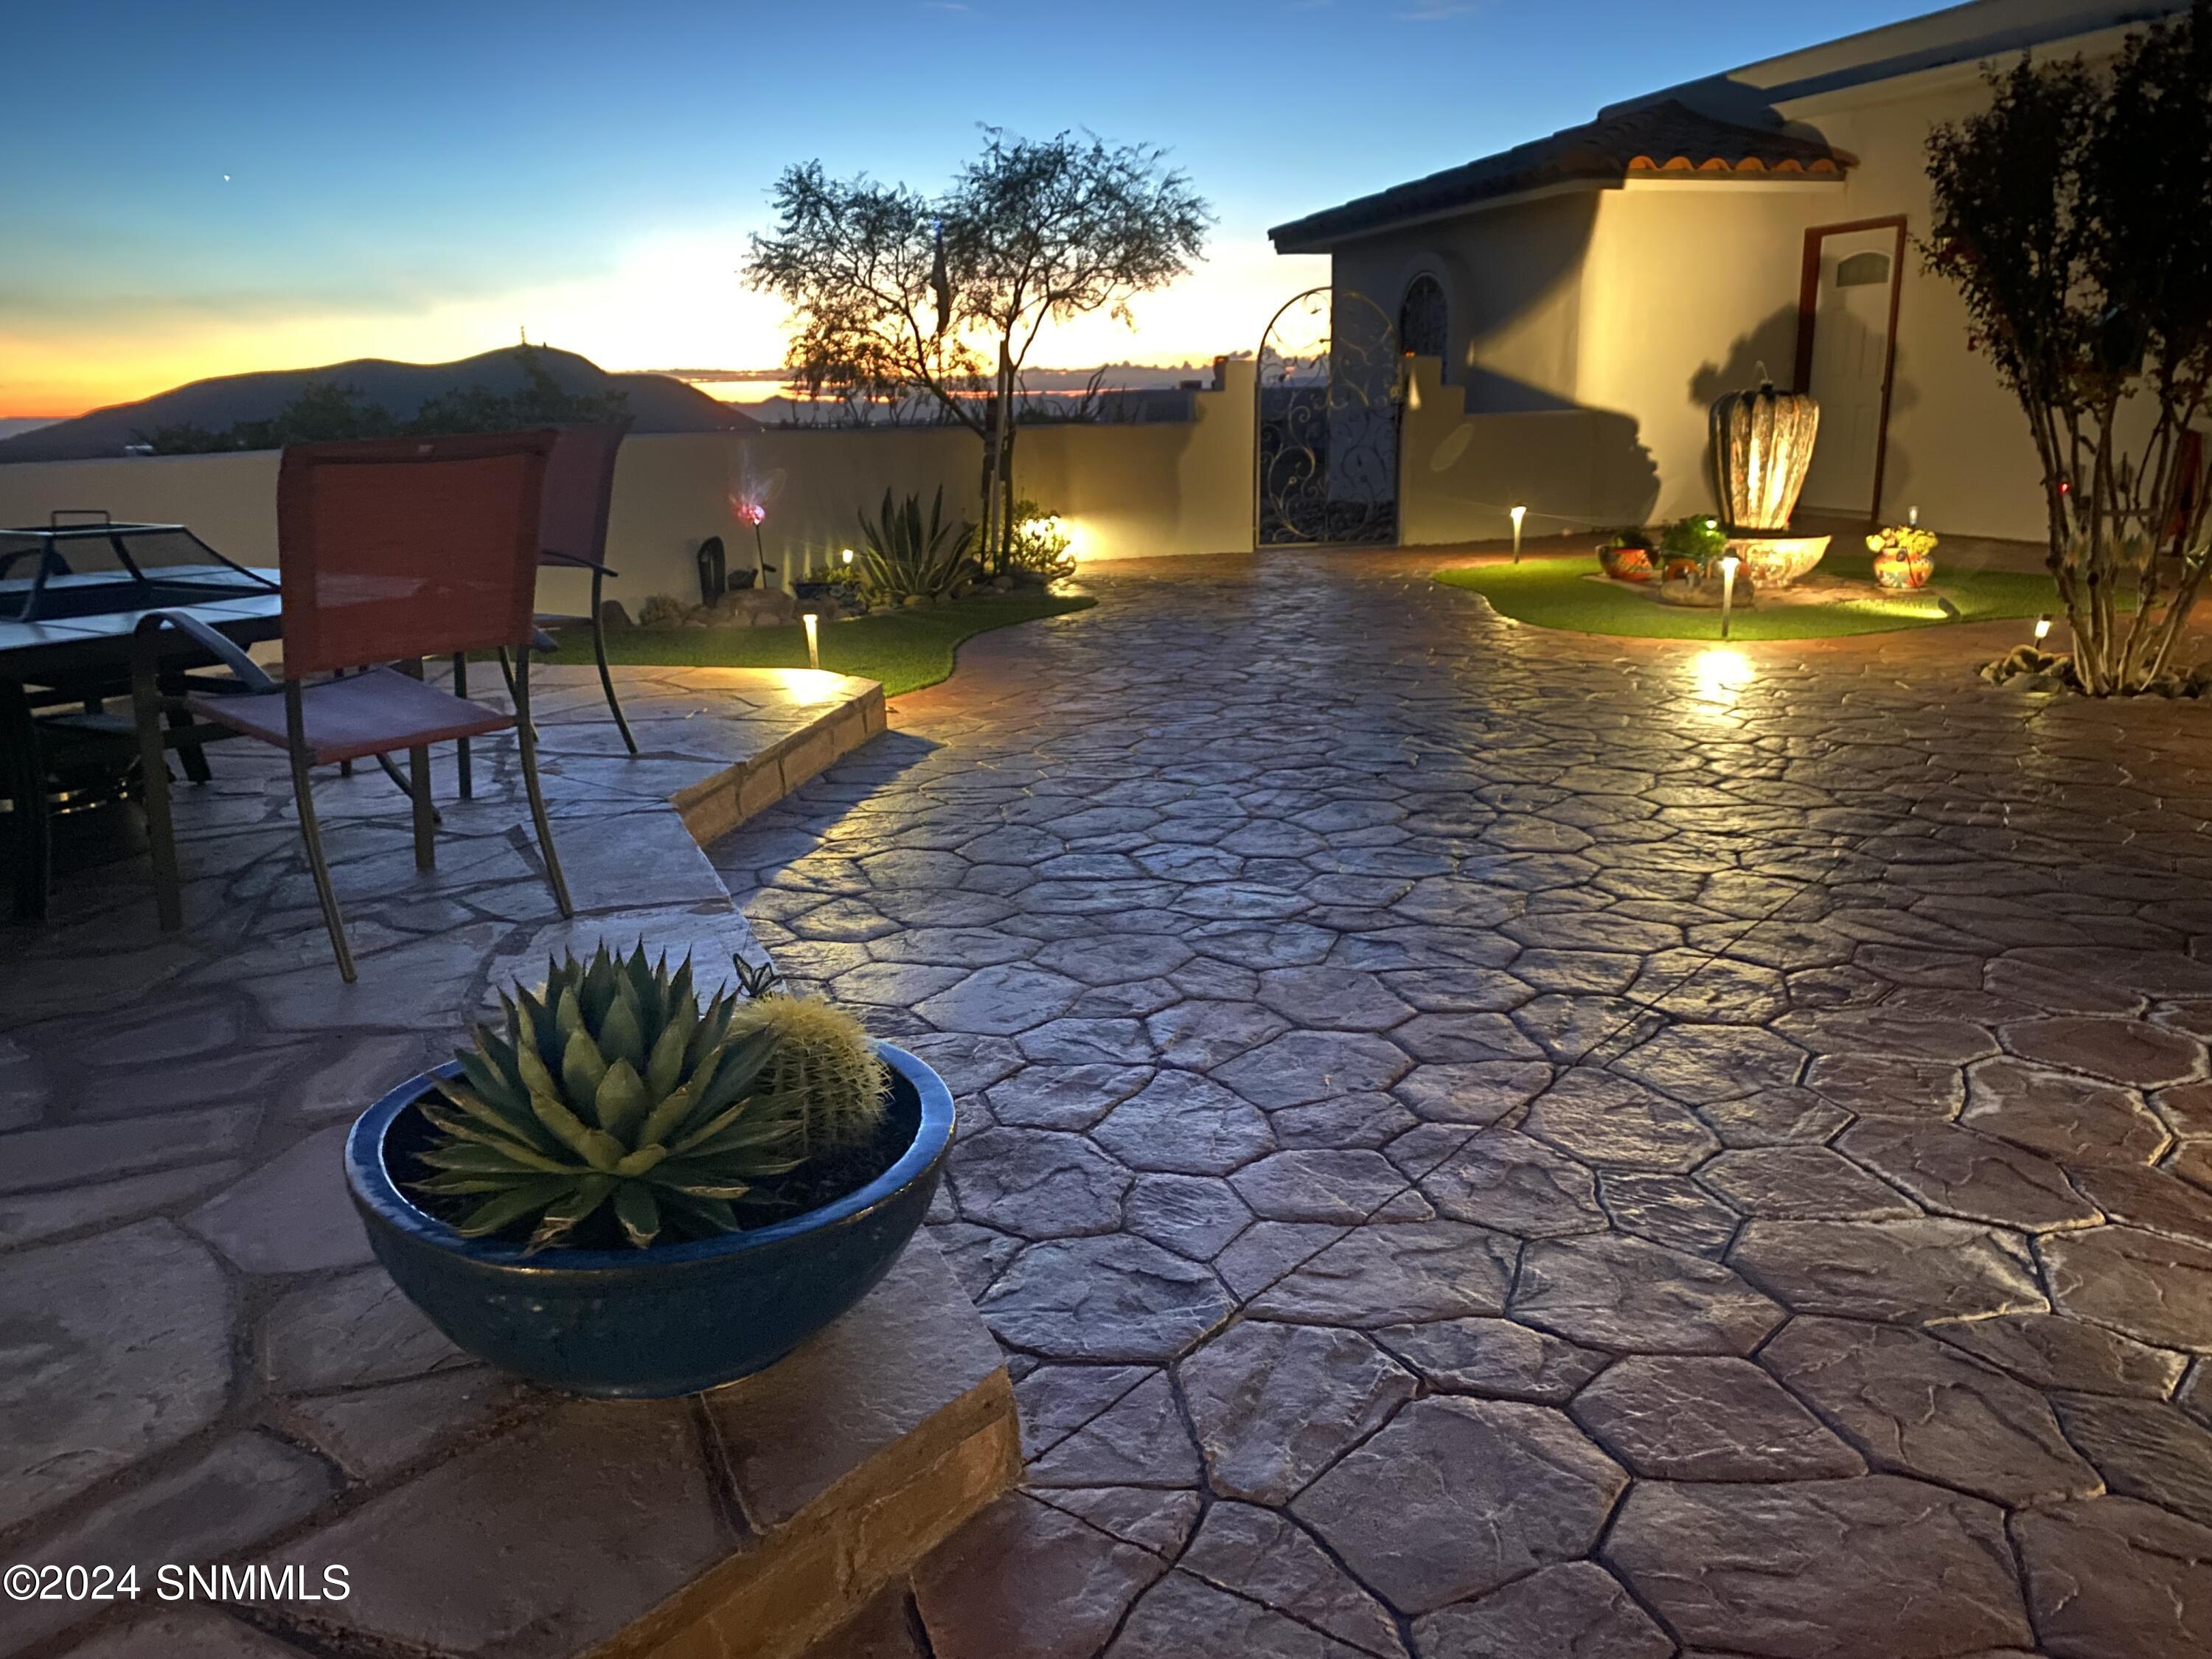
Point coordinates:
pixel 389 552
pixel 571 531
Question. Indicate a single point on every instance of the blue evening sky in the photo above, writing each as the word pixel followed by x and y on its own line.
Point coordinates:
pixel 420 180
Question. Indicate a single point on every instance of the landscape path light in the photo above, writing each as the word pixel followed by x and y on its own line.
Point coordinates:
pixel 813 640
pixel 2043 628
pixel 1728 563
pixel 1519 515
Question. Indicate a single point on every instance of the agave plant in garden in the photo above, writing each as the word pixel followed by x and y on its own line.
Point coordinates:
pixel 612 1091
pixel 902 558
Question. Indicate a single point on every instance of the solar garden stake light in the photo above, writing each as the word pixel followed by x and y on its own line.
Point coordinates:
pixel 1519 514
pixel 846 555
pixel 1912 517
pixel 2043 628
pixel 813 640
pixel 1728 563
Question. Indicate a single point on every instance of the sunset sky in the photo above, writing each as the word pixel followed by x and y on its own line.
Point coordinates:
pixel 202 189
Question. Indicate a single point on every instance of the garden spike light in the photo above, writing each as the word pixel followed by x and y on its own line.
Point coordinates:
pixel 813 639
pixel 1728 563
pixel 1519 515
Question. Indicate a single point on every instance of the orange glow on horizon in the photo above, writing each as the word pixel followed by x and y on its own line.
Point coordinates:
pixel 675 303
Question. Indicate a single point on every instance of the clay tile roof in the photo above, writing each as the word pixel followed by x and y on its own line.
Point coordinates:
pixel 1665 137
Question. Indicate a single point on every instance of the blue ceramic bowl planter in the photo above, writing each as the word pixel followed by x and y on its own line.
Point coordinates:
pixel 627 1324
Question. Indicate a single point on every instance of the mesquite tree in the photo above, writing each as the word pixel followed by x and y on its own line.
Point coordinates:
pixel 1047 230
pixel 891 290
pixel 2075 214
pixel 861 265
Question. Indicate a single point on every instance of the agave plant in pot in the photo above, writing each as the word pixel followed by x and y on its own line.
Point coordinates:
pixel 625 1192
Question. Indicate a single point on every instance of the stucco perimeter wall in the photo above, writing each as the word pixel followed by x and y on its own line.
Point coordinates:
pixel 230 500
pixel 1122 491
pixel 1165 487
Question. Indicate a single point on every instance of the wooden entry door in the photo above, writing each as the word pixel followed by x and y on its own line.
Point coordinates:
pixel 1846 347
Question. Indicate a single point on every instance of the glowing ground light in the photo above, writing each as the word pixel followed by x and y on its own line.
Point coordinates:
pixel 2042 628
pixel 1720 672
pixel 813 639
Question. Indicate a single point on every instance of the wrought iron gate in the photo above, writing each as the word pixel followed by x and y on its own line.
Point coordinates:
pixel 1331 386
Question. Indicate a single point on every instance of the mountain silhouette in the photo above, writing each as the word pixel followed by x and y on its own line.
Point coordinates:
pixel 657 404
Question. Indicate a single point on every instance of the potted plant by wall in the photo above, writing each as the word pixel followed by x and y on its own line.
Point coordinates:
pixel 625 1193
pixel 1626 555
pixel 1690 544
pixel 1903 556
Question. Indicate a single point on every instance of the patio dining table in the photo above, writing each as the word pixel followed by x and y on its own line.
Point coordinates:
pixel 66 637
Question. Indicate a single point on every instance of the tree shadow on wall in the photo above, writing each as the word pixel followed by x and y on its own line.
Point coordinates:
pixel 1621 483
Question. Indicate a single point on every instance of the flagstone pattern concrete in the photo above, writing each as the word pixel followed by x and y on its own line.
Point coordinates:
pixel 1480 1142
pixel 200 1362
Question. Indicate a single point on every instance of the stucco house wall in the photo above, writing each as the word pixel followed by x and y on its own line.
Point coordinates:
pixel 1605 319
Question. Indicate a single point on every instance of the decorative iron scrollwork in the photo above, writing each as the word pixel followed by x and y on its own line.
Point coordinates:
pixel 1331 387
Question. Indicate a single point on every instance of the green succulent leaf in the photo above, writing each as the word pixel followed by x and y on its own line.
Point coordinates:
pixel 562 1217
pixel 621 1033
pixel 566 1128
pixel 620 1101
pixel 529 1066
pixel 515 1124
pixel 464 1132
pixel 664 1067
pixel 705 1215
pixel 583 1068
pixel 489 1068
pixel 640 1215
pixel 496 1214
pixel 641 1162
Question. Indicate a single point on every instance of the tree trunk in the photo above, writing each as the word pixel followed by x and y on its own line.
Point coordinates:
pixel 1007 527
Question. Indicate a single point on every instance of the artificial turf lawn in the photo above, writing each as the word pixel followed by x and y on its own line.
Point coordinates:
pixel 1551 593
pixel 904 650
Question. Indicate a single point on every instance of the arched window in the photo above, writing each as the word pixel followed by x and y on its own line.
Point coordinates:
pixel 1424 319
pixel 1862 269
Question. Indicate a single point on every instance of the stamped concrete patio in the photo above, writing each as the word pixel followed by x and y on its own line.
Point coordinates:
pixel 1480 1142
pixel 1475 1143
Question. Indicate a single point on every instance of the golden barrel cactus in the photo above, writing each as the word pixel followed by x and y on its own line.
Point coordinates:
pixel 1762 444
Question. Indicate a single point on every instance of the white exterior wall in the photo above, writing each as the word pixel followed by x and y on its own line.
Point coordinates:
pixel 1634 307
pixel 1122 491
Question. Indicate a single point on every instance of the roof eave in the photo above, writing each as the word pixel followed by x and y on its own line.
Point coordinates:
pixel 1313 234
